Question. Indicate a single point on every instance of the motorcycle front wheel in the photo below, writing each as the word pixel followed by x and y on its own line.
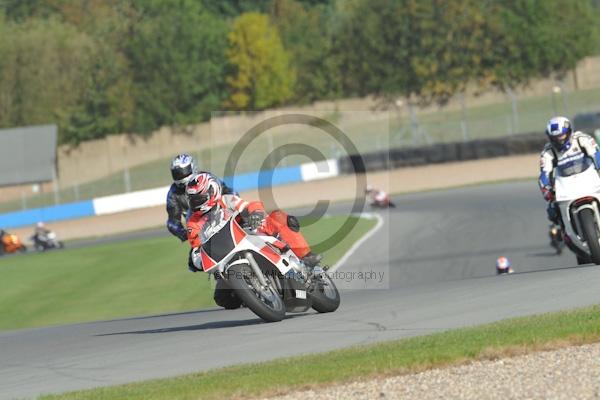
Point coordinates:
pixel 590 231
pixel 264 302
pixel 325 296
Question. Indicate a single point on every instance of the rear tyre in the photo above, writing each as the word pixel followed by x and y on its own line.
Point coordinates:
pixel 266 303
pixel 325 297
pixel 590 231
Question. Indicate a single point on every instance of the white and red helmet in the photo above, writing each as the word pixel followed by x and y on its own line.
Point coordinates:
pixel 204 192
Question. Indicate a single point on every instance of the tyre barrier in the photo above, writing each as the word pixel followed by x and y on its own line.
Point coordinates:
pixel 443 153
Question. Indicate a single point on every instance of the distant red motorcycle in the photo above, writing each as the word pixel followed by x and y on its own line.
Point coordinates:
pixel 379 198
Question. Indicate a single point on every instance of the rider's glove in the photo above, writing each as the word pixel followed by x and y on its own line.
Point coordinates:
pixel 548 194
pixel 255 219
pixel 182 236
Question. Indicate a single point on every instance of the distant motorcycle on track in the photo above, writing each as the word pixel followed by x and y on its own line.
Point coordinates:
pixel 263 272
pixel 46 241
pixel 10 243
pixel 379 198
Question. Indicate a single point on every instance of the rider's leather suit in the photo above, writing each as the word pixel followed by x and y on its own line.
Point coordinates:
pixel 178 206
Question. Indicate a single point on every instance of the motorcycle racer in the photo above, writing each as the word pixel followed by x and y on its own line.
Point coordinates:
pixel 44 238
pixel 569 153
pixel 183 168
pixel 378 197
pixel 41 230
pixel 208 203
pixel 503 266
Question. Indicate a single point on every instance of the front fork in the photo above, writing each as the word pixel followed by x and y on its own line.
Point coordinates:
pixel 257 271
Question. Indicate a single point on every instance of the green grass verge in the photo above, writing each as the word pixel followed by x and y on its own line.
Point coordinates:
pixel 509 337
pixel 123 279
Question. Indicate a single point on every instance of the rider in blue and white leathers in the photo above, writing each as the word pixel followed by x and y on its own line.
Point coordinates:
pixel 569 153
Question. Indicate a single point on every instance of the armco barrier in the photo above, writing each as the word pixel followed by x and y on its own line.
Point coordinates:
pixel 47 214
pixel 254 180
pixel 130 201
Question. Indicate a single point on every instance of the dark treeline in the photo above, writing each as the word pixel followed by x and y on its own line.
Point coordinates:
pixel 99 67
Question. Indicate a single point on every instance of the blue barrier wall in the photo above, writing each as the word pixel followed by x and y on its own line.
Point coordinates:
pixel 254 180
pixel 240 183
pixel 47 214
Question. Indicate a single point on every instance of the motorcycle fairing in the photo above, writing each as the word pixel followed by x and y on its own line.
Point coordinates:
pixel 576 186
pixel 232 239
pixel 573 193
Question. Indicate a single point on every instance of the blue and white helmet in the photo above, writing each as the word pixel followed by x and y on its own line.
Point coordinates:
pixel 559 130
pixel 183 168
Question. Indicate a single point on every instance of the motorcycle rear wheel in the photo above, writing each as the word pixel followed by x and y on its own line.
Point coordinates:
pixel 590 231
pixel 267 304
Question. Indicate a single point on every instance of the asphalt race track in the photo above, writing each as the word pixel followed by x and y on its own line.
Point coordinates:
pixel 436 252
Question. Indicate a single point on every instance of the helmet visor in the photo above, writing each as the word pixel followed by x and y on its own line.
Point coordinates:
pixel 561 139
pixel 180 173
pixel 198 200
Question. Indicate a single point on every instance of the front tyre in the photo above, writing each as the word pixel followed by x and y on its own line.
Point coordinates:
pixel 590 232
pixel 264 302
pixel 325 296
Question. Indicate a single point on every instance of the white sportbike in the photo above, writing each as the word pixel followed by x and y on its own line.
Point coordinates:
pixel 578 197
pixel 263 272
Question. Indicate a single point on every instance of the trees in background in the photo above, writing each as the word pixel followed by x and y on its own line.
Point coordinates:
pixel 98 67
pixel 260 74
pixel 44 68
pixel 431 49
pixel 176 50
pixel 307 34
pixel 536 38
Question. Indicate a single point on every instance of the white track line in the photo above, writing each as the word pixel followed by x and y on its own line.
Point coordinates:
pixel 363 239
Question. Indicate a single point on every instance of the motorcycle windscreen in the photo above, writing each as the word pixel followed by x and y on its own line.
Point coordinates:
pixel 576 186
pixel 221 243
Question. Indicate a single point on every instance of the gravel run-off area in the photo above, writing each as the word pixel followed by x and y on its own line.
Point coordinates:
pixel 568 373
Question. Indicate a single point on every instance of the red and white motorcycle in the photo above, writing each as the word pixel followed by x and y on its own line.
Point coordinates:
pixel 263 272
pixel 379 198
pixel 578 196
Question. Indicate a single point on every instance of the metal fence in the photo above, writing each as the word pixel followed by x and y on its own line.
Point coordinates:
pixel 401 125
